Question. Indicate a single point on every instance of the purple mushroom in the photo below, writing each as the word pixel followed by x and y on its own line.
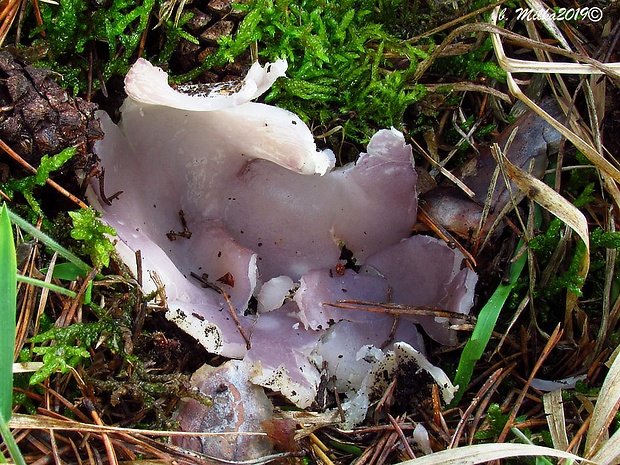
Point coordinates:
pixel 266 215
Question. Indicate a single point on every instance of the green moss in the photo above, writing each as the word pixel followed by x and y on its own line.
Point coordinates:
pixel 344 67
pixel 496 422
pixel 77 36
pixel 27 186
pixel 174 35
pixel 471 65
pixel 339 68
pixel 568 280
pixel 88 228
pixel 566 277
pixel 606 239
pixel 544 244
pixel 69 349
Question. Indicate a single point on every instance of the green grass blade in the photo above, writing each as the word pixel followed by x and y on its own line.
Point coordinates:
pixel 8 304
pixel 484 327
pixel 50 286
pixel 49 242
pixel 525 440
pixel 8 290
pixel 11 445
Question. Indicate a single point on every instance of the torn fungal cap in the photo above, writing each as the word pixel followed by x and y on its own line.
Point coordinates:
pixel 146 83
pixel 272 133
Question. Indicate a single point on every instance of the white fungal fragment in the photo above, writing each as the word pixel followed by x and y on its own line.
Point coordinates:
pixel 421 439
pixel 406 354
pixel 546 385
pixel 266 132
pixel 272 294
pixel 146 83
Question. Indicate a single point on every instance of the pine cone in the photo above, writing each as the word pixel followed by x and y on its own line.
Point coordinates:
pixel 212 19
pixel 38 117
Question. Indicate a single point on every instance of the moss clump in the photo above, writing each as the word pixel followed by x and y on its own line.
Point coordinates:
pixel 345 69
pixel 78 35
pixel 88 43
pixel 27 186
pixel 70 347
pixel 88 228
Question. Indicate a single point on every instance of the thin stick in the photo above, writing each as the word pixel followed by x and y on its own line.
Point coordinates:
pixel 33 170
pixel 7 17
pixel 66 317
pixel 477 398
pixel 398 309
pixel 233 312
pixel 551 343
pixel 445 235
pixel 140 304
pixel 38 16
pixel 106 438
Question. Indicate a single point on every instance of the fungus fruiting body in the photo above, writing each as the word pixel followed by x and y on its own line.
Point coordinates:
pixel 261 207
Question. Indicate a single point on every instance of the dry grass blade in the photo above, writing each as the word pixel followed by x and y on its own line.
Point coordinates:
pixel 549 199
pixel 42 423
pixel 587 149
pixel 43 299
pixel 550 25
pixel 26 367
pixel 588 67
pixel 585 64
pixel 469 87
pixel 609 453
pixel 604 412
pixel 607 323
pixel 554 412
pixel 483 453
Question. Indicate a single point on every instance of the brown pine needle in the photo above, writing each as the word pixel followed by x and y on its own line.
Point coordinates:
pixel 551 343
pixel 398 309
